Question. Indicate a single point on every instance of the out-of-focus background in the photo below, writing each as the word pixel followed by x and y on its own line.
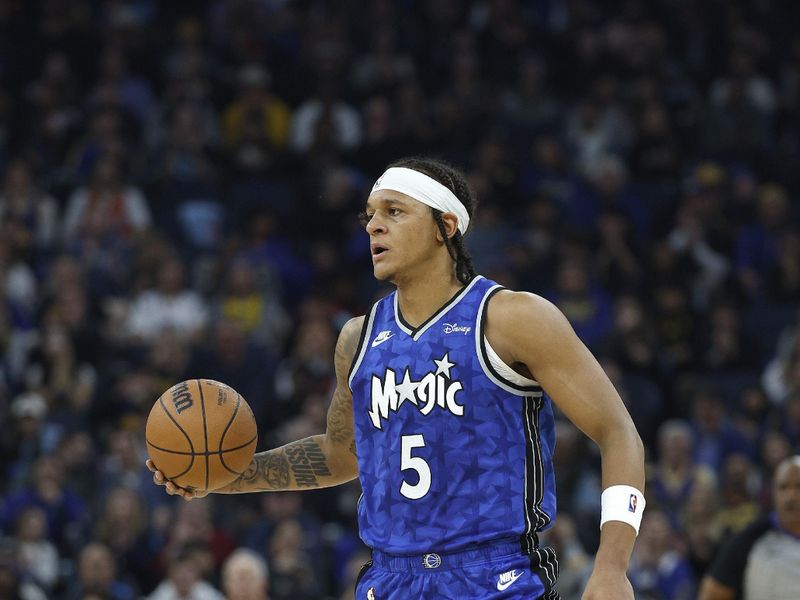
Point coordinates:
pixel 179 184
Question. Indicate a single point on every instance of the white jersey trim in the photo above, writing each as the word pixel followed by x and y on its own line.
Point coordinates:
pixel 504 370
pixel 366 335
pixel 434 318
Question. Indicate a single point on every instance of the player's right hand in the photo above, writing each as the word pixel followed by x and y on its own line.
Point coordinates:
pixel 170 487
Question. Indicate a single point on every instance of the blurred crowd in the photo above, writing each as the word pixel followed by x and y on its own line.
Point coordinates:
pixel 180 185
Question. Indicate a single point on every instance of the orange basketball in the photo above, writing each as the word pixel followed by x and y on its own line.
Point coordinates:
pixel 201 434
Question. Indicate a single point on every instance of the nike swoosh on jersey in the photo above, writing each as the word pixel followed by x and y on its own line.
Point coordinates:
pixel 501 585
pixel 382 337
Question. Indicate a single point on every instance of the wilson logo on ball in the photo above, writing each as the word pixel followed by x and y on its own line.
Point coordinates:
pixel 181 397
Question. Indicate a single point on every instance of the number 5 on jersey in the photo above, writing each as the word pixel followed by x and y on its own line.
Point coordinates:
pixel 419 489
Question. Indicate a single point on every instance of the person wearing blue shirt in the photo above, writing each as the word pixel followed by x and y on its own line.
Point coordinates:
pixel 443 411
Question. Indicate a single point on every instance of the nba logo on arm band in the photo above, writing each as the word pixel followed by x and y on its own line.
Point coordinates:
pixel 622 503
pixel 424 189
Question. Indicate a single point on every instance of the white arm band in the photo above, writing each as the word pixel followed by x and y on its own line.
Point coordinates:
pixel 622 503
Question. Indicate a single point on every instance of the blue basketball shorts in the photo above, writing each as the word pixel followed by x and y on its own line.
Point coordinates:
pixel 492 572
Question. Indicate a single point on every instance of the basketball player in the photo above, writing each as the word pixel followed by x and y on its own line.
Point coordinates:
pixel 439 410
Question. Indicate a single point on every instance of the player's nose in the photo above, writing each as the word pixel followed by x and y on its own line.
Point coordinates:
pixel 375 225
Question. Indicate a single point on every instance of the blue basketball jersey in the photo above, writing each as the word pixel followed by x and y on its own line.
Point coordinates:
pixel 450 451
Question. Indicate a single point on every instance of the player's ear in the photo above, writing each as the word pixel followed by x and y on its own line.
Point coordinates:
pixel 450 226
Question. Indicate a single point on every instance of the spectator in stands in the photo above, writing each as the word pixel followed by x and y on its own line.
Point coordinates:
pixel 123 526
pixel 183 582
pixel 584 303
pixel 67 515
pixel 245 576
pixel 22 202
pixel 675 474
pixel 255 308
pixel 27 438
pixel 758 244
pixel 761 561
pixel 13 584
pixel 659 568
pixel 256 125
pixel 193 523
pixel 291 571
pixel 781 378
pixel 97 574
pixel 170 306
pixel 107 208
pixel 37 555
pixel 325 123
pixel 715 436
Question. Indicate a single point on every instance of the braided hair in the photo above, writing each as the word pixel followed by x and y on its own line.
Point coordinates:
pixel 455 181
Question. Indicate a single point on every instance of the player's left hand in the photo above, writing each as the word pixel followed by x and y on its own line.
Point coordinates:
pixel 604 585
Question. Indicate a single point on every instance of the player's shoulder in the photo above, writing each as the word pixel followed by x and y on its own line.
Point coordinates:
pixel 353 326
pixel 349 336
pixel 525 320
pixel 514 306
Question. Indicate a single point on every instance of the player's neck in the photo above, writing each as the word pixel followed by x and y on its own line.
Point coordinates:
pixel 421 296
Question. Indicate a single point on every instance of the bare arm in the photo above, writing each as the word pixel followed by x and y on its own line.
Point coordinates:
pixel 528 331
pixel 711 589
pixel 318 461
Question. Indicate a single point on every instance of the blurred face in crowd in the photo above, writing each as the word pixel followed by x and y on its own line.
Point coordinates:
pixel 184 575
pixel 675 445
pixel 32 525
pixel 655 538
pixel 123 507
pixel 48 478
pixel 708 411
pixel 106 172
pixel 572 278
pixel 403 235
pixel 96 568
pixel 315 341
pixel 786 493
pixel 170 277
pixel 241 279
pixel 18 178
pixel 774 449
pixel 243 578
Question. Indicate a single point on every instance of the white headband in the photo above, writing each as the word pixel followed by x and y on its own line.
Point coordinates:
pixel 424 189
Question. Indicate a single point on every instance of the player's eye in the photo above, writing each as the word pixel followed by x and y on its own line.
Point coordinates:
pixel 393 212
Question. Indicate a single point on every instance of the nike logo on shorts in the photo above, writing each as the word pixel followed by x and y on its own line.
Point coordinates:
pixel 506 579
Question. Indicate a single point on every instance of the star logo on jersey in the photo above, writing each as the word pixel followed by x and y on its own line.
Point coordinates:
pixel 435 388
pixel 382 337
pixel 506 579
pixel 371 593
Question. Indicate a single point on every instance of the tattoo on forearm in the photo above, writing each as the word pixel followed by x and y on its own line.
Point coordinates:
pixel 267 471
pixel 276 471
pixel 353 448
pixel 307 461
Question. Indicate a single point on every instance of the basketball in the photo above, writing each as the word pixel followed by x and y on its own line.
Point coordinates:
pixel 201 434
